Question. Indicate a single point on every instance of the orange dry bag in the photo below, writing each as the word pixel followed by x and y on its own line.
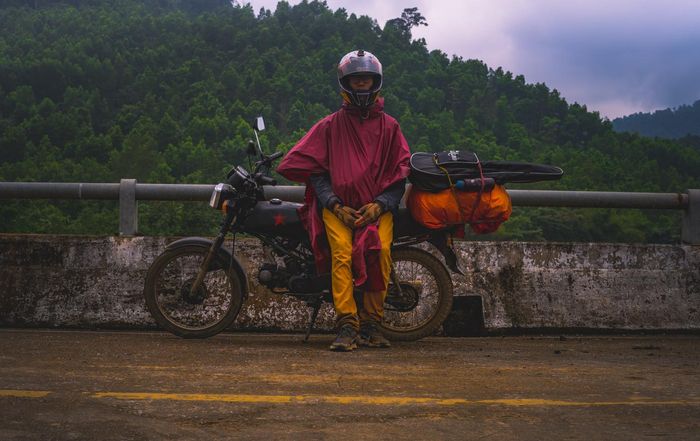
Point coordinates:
pixel 483 211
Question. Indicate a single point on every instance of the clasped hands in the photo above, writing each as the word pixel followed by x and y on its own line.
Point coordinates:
pixel 352 218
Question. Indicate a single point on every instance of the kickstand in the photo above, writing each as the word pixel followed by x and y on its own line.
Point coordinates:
pixel 316 305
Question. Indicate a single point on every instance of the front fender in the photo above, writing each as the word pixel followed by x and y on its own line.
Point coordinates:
pixel 223 255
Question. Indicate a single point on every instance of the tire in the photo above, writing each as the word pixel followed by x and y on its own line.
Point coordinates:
pixel 213 308
pixel 429 286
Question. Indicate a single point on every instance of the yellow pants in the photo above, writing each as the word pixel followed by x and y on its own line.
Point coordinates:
pixel 340 241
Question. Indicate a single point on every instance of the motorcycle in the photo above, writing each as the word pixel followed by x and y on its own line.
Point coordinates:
pixel 196 287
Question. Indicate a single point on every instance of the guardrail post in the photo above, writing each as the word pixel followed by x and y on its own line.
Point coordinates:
pixel 128 208
pixel 691 219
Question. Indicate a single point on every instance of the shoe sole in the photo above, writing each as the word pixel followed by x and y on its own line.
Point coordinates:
pixel 366 343
pixel 343 348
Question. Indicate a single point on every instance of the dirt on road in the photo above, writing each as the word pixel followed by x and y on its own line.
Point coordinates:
pixel 85 385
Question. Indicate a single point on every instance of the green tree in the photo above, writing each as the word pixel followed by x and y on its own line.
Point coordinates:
pixel 164 91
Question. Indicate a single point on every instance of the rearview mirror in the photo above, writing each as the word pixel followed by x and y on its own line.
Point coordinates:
pixel 259 124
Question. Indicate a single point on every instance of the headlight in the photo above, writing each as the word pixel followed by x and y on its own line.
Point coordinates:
pixel 220 193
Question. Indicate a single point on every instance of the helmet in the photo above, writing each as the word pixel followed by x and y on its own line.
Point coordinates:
pixel 359 63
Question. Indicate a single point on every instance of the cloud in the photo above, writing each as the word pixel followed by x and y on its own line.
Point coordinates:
pixel 628 56
pixel 616 57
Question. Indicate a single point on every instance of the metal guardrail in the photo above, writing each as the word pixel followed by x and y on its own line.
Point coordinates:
pixel 129 192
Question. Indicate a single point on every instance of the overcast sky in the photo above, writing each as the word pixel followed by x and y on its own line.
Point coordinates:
pixel 616 56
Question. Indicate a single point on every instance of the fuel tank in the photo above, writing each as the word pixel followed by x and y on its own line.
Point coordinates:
pixel 277 218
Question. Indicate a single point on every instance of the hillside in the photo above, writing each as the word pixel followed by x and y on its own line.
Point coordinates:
pixel 668 123
pixel 162 91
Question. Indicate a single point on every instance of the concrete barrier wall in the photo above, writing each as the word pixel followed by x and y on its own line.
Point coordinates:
pixel 79 281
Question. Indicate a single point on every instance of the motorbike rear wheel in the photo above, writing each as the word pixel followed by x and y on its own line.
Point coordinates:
pixel 427 296
pixel 200 314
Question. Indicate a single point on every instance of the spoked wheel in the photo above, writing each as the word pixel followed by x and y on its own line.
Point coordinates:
pixel 201 313
pixel 425 299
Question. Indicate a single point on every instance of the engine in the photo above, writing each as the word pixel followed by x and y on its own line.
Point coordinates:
pixel 292 277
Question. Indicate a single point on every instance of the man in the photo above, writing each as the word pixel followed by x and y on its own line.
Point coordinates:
pixel 354 163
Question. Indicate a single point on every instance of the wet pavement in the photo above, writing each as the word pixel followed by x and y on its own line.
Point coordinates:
pixel 85 385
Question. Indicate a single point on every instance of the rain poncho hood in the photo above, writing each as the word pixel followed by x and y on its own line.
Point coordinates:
pixel 364 153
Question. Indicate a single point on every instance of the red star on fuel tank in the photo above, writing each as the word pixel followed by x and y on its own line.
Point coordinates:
pixel 279 219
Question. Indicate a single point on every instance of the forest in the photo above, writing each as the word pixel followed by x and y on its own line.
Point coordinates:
pixel 680 122
pixel 164 91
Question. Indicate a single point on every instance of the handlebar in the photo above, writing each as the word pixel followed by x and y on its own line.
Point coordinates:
pixel 266 161
pixel 262 169
pixel 274 156
pixel 266 180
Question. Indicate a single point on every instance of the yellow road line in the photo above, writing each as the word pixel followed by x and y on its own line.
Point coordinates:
pixel 24 393
pixel 541 402
pixel 379 400
pixel 353 399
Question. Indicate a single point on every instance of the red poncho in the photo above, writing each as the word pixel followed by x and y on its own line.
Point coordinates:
pixel 363 158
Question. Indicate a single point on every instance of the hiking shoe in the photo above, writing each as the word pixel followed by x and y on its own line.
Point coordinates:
pixel 372 337
pixel 346 340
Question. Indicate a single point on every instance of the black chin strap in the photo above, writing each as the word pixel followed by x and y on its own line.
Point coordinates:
pixel 362 99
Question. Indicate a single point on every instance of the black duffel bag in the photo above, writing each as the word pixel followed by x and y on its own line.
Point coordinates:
pixel 438 171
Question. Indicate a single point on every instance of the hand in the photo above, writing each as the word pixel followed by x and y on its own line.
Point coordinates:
pixel 369 213
pixel 347 215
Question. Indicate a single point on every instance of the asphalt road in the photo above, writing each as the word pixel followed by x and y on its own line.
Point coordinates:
pixel 82 385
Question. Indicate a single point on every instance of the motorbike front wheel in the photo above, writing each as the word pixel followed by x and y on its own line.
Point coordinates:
pixel 186 313
pixel 425 298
